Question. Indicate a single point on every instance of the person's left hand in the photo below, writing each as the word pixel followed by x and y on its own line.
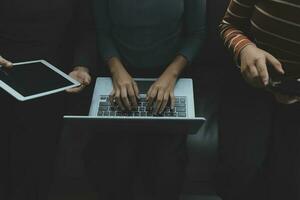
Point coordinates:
pixel 161 92
pixel 81 74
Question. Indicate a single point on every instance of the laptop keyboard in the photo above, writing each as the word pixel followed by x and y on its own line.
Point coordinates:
pixel 106 109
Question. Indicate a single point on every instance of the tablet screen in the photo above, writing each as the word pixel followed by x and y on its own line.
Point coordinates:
pixel 33 78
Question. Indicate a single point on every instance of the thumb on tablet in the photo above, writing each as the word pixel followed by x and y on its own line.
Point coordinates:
pixel 5 63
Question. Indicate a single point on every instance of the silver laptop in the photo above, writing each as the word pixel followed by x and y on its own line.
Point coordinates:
pixel 107 116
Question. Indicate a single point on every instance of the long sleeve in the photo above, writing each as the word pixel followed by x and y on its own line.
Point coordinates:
pixel 106 44
pixel 235 25
pixel 194 28
pixel 85 47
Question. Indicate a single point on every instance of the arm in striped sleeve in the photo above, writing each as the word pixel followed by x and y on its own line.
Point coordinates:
pixel 235 25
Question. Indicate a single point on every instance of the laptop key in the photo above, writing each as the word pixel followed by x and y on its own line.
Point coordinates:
pixel 180 105
pixel 168 114
pixel 181 114
pixel 136 114
pixel 144 104
pixel 106 113
pixel 180 109
pixel 173 114
pixel 130 114
pixel 113 108
pixel 182 100
pixel 143 114
pixel 112 113
pixel 142 109
pixel 119 114
pixel 143 100
pixel 103 108
pixel 100 113
pixel 103 98
pixel 104 103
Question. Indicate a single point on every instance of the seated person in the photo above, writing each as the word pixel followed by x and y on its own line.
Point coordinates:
pixel 157 38
pixel 259 133
pixel 30 131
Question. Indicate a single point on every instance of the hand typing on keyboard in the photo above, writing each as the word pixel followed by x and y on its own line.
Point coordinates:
pixel 125 90
pixel 107 109
pixel 161 93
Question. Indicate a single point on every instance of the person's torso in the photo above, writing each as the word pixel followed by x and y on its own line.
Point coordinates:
pixel 275 25
pixel 147 33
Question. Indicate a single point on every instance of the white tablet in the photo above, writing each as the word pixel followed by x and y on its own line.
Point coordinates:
pixel 33 79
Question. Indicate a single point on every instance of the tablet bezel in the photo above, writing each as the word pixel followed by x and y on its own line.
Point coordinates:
pixel 20 97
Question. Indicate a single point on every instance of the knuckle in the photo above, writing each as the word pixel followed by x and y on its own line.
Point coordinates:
pixel 117 95
pixel 159 99
pixel 156 87
pixel 152 95
pixel 127 84
pixel 123 84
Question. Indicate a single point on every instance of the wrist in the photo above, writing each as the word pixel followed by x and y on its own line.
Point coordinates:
pixel 177 66
pixel 245 49
pixel 115 66
pixel 174 70
pixel 172 73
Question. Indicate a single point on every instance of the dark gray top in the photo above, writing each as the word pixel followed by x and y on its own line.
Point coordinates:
pixel 149 33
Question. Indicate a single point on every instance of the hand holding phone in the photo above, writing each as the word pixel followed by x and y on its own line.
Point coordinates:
pixel 290 87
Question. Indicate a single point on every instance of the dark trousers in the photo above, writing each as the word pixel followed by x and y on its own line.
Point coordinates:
pixel 29 137
pixel 259 146
pixel 114 161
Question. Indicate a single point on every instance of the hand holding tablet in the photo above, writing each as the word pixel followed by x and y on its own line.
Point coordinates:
pixel 33 79
pixel 82 75
pixel 5 63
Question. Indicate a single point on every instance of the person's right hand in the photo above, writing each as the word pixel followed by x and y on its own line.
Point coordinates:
pixel 125 90
pixel 254 63
pixel 5 63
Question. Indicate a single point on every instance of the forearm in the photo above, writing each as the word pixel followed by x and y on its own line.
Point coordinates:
pixel 115 65
pixel 177 66
pixel 235 25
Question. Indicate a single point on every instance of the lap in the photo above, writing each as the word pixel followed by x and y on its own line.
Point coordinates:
pixel 285 150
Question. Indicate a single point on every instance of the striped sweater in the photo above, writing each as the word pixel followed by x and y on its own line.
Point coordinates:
pixel 272 25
